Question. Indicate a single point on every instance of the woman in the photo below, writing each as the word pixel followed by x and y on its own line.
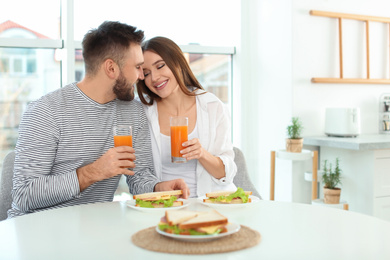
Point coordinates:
pixel 169 88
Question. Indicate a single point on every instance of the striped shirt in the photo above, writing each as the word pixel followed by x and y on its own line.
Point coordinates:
pixel 63 131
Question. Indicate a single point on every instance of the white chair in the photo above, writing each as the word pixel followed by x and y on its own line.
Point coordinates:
pixel 242 178
pixel 6 185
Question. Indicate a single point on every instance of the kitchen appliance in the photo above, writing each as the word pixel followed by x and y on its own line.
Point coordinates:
pixel 384 114
pixel 342 122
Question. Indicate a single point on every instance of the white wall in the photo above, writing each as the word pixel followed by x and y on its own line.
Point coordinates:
pixel 282 48
pixel 316 54
pixel 264 62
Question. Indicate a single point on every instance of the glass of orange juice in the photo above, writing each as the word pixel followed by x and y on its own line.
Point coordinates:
pixel 123 135
pixel 179 135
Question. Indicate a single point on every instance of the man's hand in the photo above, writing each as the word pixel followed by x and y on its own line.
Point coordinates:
pixel 115 161
pixel 176 184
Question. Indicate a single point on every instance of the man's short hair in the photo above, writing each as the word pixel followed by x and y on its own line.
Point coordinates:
pixel 110 40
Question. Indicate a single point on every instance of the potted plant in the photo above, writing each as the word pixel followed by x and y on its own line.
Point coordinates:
pixel 331 179
pixel 294 142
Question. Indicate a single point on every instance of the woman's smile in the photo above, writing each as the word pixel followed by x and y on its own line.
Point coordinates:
pixel 161 85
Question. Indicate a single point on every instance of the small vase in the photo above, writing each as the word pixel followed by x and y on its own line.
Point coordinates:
pixel 332 196
pixel 294 145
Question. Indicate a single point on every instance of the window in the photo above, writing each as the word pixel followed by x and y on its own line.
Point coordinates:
pixel 213 72
pixel 4 65
pixel 32 54
pixel 18 61
pixel 24 77
pixel 205 22
pixel 27 71
pixel 20 19
pixel 31 66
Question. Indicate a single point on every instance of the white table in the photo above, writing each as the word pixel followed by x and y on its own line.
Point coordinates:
pixel 104 230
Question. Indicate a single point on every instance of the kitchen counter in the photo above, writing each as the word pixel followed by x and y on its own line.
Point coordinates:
pixel 360 143
pixel 365 161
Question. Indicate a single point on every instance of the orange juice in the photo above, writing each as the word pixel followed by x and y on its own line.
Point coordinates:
pixel 123 140
pixel 179 135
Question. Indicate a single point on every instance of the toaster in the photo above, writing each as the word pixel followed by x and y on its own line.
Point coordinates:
pixel 342 122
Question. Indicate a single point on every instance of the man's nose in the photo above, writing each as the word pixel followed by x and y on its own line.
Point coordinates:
pixel 141 74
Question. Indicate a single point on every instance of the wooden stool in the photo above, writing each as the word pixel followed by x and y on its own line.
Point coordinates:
pixel 295 156
pixel 314 189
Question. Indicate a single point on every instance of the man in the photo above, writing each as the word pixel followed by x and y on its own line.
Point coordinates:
pixel 65 154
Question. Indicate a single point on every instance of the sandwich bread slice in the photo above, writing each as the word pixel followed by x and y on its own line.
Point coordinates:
pixel 175 217
pixel 193 223
pixel 160 199
pixel 228 197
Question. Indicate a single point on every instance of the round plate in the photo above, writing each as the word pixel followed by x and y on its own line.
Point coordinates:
pixel 131 204
pixel 229 206
pixel 231 229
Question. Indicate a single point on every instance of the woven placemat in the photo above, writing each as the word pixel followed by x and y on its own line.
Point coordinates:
pixel 151 240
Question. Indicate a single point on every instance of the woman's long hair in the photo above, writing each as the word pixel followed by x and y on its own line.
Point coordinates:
pixel 174 58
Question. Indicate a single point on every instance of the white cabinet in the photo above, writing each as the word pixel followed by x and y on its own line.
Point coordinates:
pixel 382 174
pixel 382 208
pixel 382 185
pixel 365 161
pixel 365 179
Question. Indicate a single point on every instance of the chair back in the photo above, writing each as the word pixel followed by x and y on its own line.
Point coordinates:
pixel 242 178
pixel 6 185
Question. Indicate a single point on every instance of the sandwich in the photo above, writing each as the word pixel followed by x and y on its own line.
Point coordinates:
pixel 184 222
pixel 228 197
pixel 160 199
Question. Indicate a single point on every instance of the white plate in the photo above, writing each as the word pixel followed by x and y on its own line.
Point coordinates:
pixel 131 204
pixel 229 206
pixel 231 229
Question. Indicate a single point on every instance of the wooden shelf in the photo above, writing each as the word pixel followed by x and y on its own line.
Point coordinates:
pixel 350 81
pixel 351 16
pixel 366 19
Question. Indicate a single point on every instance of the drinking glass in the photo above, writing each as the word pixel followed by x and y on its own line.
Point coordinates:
pixel 179 135
pixel 123 135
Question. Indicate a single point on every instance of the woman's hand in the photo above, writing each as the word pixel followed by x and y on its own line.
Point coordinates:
pixel 213 164
pixel 193 149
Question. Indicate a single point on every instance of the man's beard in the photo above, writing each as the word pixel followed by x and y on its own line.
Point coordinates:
pixel 123 89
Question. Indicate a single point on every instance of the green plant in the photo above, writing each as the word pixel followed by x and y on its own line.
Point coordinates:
pixel 294 130
pixel 329 177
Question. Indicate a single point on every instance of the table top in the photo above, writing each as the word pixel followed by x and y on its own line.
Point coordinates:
pixel 361 142
pixel 104 230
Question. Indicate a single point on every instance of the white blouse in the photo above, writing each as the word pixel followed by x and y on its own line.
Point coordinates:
pixel 214 129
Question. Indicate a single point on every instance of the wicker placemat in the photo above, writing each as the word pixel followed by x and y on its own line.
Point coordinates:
pixel 151 240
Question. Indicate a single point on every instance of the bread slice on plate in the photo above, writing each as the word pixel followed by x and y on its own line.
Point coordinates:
pixel 234 201
pixel 179 216
pixel 228 197
pixel 211 218
pixel 157 195
pixel 177 203
pixel 216 194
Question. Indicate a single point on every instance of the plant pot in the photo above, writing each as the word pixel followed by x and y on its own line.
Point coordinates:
pixel 332 196
pixel 294 145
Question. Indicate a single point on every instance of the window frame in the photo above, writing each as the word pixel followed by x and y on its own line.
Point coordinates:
pixel 67 46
